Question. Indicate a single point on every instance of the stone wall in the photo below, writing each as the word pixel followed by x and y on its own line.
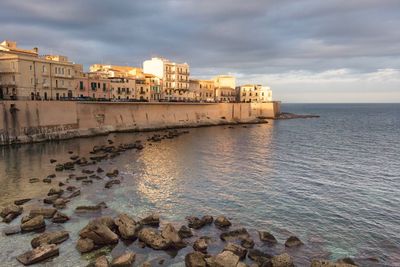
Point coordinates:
pixel 35 121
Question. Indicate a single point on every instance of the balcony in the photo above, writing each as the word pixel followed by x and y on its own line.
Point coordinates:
pixel 7 83
pixel 7 70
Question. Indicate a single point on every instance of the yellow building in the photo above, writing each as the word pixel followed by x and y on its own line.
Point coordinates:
pixel 175 77
pixel 24 74
pixel 113 71
pixel 225 88
pixel 122 88
pixel 254 93
pixel 203 90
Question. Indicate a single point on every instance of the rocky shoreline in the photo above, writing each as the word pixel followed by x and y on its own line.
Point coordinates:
pixel 239 247
pixel 289 116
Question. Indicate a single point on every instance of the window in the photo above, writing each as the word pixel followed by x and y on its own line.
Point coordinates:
pixel 81 85
pixel 69 72
pixel 62 71
pixel 43 68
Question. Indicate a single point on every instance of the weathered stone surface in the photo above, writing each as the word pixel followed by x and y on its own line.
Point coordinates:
pixel 282 260
pixel 153 239
pixel 200 245
pixel 112 174
pixel 226 259
pixel 34 180
pixel 267 237
pixel 208 219
pixel 169 232
pixel 85 245
pixel 53 160
pixel 60 203
pixel 146 264
pixel 101 261
pixel 50 199
pixel 74 194
pixel 21 201
pixel 38 254
pixel 195 223
pixel 10 212
pixel 185 232
pixel 34 223
pixel 106 220
pixel 236 249
pixel 12 230
pixel 45 212
pixel 94 208
pixel 125 260
pixel 247 242
pixel 222 222
pixel 46 180
pixel 240 233
pixel 112 182
pixel 99 233
pixel 151 220
pixel 325 263
pixel 195 259
pixel 99 170
pixel 60 217
pixel 259 256
pixel 49 238
pixel 293 241
pixel 126 226
pixel 347 261
pixel 55 191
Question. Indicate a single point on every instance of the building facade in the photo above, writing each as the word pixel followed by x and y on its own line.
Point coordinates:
pixel 122 88
pixel 225 88
pixel 175 78
pixel 155 84
pixel 24 74
pixel 203 90
pixel 93 85
pixel 254 93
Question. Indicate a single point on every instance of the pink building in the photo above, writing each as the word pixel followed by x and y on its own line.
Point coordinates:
pixel 93 85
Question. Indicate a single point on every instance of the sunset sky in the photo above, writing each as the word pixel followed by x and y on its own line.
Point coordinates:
pixel 306 50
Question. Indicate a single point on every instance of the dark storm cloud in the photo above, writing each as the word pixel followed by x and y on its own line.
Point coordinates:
pixel 213 36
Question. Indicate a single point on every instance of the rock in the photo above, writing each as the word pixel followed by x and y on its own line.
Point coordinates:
pixel 53 160
pixel 21 201
pixel 106 220
pixel 49 238
pixel 126 226
pixel 222 222
pixel 125 260
pixel 34 180
pixel 151 220
pixel 71 188
pixel 282 260
pixel 241 264
pixel 55 191
pixel 60 217
pixel 51 176
pixel 259 256
pixel 146 264
pixel 347 261
pixel 99 233
pixel 195 223
pixel 87 181
pixel 94 208
pixel 267 237
pixel 47 180
pixel 70 152
pixel 226 259
pixel 80 178
pixel 10 212
pixel 101 261
pixel 85 245
pixel 293 241
pixel 34 223
pixel 38 254
pixel 12 230
pixel 207 219
pixel 99 170
pixel 61 184
pixel 200 245
pixel 169 232
pixel 87 171
pixel 59 168
pixel 75 157
pixel 247 242
pixel 153 239
pixel 110 183
pixel 50 199
pixel 185 232
pixel 325 263
pixel 74 194
pixel 240 233
pixel 47 213
pixel 112 174
pixel 60 203
pixel 195 259
pixel 236 249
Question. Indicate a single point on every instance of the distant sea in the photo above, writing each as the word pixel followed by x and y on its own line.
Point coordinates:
pixel 333 181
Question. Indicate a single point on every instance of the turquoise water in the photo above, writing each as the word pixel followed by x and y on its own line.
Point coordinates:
pixel 332 181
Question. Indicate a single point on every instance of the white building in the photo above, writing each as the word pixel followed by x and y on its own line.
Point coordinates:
pixel 254 93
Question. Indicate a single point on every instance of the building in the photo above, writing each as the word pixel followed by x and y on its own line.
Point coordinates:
pixel 254 93
pixel 175 78
pixel 24 74
pixel 122 88
pixel 113 71
pixel 203 90
pixel 92 85
pixel 142 88
pixel 155 84
pixel 225 88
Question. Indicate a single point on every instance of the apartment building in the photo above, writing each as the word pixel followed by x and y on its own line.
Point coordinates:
pixel 254 93
pixel 225 88
pixel 122 88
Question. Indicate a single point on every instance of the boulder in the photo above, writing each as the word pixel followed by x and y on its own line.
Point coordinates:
pixel 53 160
pixel 112 174
pixel 208 219
pixel 60 217
pixel 195 259
pixel 259 256
pixel 46 180
pixel 99 233
pixel 267 237
pixel 325 263
pixel 347 261
pixel 106 220
pixel 126 226
pixel 21 201
pixel 293 241
pixel 222 222
pixel 169 232
pixel 282 260
pixel 226 259
pixel 73 194
pixel 247 242
pixel 151 220
pixel 185 232
pixel 33 223
pixel 153 239
pixel 195 223
pixel 60 203
pixel 102 261
pixel 240 233
pixel 85 245
pixel 125 260
pixel 47 213
pixel 10 212
pixel 99 170
pixel 12 230
pixel 38 254
pixel 50 199
pixel 200 245
pixel 55 191
pixel 49 238
pixel 236 249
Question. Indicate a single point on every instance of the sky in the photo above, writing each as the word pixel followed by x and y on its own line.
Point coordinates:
pixel 305 50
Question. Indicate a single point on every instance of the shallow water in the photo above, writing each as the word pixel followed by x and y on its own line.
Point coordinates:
pixel 332 181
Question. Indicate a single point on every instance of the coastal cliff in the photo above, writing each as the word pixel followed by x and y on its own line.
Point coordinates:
pixel 37 121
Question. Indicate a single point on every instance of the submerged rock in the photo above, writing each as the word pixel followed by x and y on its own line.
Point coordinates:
pixel 38 254
pixel 226 259
pixel 200 245
pixel 33 223
pixel 85 245
pixel 12 230
pixel 102 261
pixel 153 239
pixel 169 232
pixel 50 238
pixel 125 260
pixel 34 180
pixel 47 213
pixel 94 208
pixel 240 233
pixel 185 232
pixel 293 241
pixel 247 242
pixel 236 249
pixel 55 191
pixel 259 256
pixel 222 222
pixel 325 263
pixel 22 201
pixel 267 237
pixel 195 259
pixel 110 183
pixel 282 260
pixel 195 223
pixel 99 233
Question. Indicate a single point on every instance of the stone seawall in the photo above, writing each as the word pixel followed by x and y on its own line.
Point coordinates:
pixel 36 121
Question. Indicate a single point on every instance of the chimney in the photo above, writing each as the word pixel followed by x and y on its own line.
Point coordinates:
pixel 36 50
